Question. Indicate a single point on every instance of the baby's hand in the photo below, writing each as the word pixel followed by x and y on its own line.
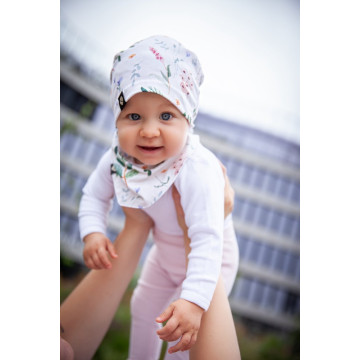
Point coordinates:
pixel 97 250
pixel 183 320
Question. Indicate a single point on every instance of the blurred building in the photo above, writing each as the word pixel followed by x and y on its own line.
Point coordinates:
pixel 263 169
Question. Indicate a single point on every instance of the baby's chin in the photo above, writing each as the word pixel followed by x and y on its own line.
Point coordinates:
pixel 138 162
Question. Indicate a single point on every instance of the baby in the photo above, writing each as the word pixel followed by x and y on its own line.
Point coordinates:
pixel 155 97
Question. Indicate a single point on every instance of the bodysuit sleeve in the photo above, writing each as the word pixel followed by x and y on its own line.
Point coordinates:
pixel 96 201
pixel 201 186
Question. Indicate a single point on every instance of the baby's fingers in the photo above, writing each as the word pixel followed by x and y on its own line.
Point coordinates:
pixel 175 335
pixel 183 344
pixel 111 250
pixel 168 329
pixel 166 314
pixel 103 257
pixel 96 261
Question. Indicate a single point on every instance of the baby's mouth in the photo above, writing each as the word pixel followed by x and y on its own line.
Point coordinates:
pixel 150 148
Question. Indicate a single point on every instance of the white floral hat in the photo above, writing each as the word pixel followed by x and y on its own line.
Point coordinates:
pixel 159 65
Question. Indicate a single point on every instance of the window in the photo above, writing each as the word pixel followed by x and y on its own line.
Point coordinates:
pixel 243 243
pixel 96 152
pixel 288 226
pixel 232 168
pixel 258 178
pixel 291 303
pixel 279 261
pixel 283 187
pixel 275 221
pixel 291 264
pixel 269 297
pixel 246 174
pixel 67 142
pixel 250 212
pixel 270 182
pixel 248 250
pixel 254 252
pixel 245 285
pixel 295 193
pixel 295 234
pixel 82 149
pixel 239 205
pixel 262 215
pixel 279 300
pixel 266 255
pixel 256 292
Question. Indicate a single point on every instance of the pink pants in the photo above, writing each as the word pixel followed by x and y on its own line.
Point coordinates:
pixel 160 284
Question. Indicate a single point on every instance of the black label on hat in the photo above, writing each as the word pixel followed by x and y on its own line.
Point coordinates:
pixel 122 101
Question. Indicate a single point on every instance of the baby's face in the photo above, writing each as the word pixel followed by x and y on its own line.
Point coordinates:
pixel 151 128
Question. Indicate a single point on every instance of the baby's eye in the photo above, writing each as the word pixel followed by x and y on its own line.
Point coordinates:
pixel 134 117
pixel 165 116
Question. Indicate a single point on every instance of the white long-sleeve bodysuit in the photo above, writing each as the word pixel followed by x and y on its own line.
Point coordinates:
pixel 164 277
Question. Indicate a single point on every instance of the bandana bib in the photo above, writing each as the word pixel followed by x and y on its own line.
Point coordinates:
pixel 140 186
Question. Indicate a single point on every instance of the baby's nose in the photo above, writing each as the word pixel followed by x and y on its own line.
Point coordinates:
pixel 150 129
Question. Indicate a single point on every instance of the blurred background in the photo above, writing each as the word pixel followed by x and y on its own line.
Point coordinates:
pixel 249 117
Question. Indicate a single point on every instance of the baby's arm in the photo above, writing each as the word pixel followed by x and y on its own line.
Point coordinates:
pixel 95 205
pixel 184 317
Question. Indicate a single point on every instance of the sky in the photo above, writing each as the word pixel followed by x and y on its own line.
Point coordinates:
pixel 249 50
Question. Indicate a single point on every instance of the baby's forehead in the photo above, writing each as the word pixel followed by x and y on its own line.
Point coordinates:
pixel 156 100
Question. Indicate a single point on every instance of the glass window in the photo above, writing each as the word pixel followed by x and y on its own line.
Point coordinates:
pixel 232 168
pixel 280 300
pixel 269 297
pixel 275 221
pixel 297 274
pixel 79 183
pixel 290 264
pixel 266 255
pixel 288 225
pixel 248 249
pixel 245 285
pixel 235 292
pixel 239 205
pixel 270 182
pixel 283 187
pixel 290 303
pixel 243 243
pixel 255 251
pixel 262 215
pixel 97 152
pixel 279 260
pixel 258 178
pixel 102 116
pixel 67 141
pixel 256 292
pixel 243 209
pixel 63 223
pixel 295 234
pixel 250 212
pixel 295 193
pixel 246 174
